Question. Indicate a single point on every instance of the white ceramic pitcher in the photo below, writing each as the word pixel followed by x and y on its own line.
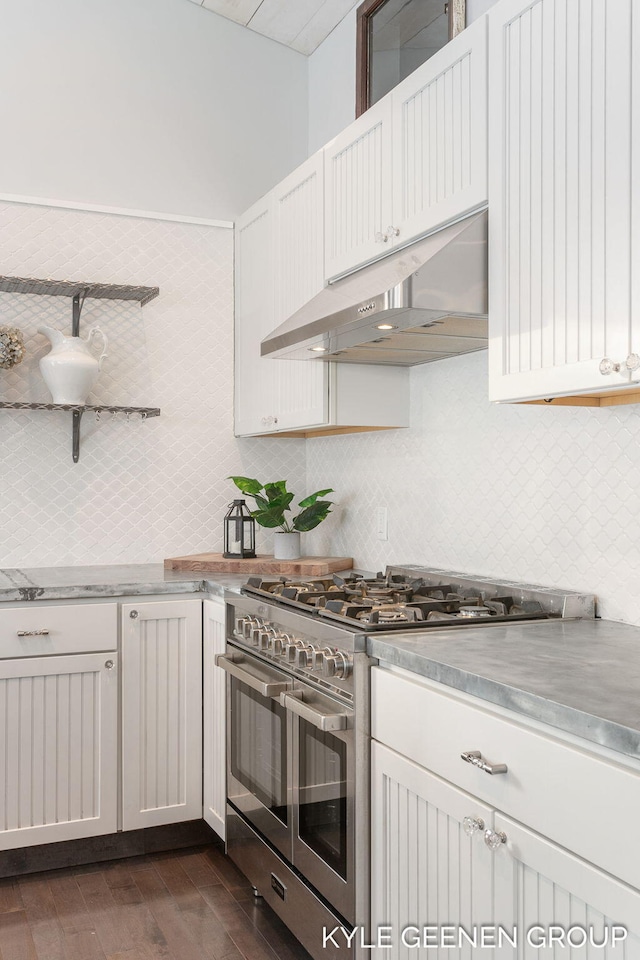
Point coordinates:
pixel 70 370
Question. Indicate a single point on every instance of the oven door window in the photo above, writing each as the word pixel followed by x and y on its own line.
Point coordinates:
pixel 259 747
pixel 322 814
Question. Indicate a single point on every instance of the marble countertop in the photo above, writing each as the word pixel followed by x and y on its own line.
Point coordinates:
pixel 582 676
pixel 118 580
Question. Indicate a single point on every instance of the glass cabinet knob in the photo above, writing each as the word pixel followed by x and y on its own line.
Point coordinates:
pixel 494 838
pixel 607 367
pixel 632 362
pixel 472 825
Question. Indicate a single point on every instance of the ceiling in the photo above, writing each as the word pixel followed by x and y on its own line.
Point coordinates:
pixel 299 24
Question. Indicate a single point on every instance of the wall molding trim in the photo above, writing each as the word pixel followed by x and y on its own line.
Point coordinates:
pixel 115 211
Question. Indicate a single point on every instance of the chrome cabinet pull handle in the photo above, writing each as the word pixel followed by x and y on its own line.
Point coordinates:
pixel 476 758
pixel 322 721
pixel 252 677
pixel 33 633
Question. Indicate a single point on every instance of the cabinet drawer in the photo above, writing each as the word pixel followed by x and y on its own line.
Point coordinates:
pixel 70 628
pixel 577 798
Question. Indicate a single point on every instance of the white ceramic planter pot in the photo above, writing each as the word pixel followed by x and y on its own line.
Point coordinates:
pixel 286 546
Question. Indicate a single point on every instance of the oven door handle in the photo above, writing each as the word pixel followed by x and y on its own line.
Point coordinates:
pixel 323 721
pixel 253 677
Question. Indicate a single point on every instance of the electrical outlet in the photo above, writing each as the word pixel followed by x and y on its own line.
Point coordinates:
pixel 382 529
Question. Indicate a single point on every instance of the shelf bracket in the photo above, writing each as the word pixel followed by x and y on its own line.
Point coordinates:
pixel 76 309
pixel 75 443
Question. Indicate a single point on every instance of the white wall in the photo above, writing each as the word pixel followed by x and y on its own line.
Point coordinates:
pixel 332 84
pixel 332 78
pixel 141 491
pixel 146 104
pixel 532 493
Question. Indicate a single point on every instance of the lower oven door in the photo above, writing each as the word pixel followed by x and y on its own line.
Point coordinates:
pixel 258 746
pixel 323 794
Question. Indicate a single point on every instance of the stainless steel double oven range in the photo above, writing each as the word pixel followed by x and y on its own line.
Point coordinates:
pixel 298 742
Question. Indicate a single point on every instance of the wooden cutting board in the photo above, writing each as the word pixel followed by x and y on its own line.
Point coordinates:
pixel 305 566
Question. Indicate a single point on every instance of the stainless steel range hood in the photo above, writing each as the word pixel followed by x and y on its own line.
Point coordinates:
pixel 432 295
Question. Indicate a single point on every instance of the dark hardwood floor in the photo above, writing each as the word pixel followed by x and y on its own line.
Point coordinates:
pixel 186 905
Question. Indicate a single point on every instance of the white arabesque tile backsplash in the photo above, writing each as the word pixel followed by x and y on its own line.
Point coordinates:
pixel 141 491
pixel 542 494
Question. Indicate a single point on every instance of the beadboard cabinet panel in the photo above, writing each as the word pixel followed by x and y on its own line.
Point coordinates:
pixel 440 136
pixel 358 190
pixel 214 716
pixel 255 406
pixel 277 395
pixel 560 195
pixel 425 869
pixel 298 211
pixel 540 886
pixel 161 712
pixel 58 748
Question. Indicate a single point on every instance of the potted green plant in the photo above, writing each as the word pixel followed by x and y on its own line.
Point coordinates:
pixel 273 502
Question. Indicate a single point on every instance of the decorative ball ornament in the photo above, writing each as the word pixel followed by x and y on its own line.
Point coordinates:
pixel 12 349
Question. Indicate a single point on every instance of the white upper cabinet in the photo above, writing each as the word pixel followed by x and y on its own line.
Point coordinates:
pixel 255 408
pixel 440 136
pixel 299 275
pixel 358 196
pixel 414 161
pixel 563 79
pixel 279 268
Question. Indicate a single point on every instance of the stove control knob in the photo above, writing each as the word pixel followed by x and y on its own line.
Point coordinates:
pixel 247 626
pixel 255 632
pixel 290 649
pixel 338 665
pixel 319 657
pixel 305 656
pixel 275 645
pixel 266 636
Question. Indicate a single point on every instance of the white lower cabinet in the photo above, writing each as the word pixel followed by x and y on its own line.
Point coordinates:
pixel 558 904
pixel 58 748
pixel 59 728
pixel 161 712
pixel 425 869
pixel 214 725
pixel 434 867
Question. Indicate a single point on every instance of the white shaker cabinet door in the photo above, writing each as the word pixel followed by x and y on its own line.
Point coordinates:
pixel 298 218
pixel 440 136
pixel 161 712
pixel 58 748
pixel 425 869
pixel 541 887
pixel 358 191
pixel 560 196
pixel 214 716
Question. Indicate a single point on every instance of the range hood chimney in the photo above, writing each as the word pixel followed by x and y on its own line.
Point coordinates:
pixel 426 302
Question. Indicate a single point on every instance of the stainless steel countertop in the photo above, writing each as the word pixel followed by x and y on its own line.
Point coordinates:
pixel 118 580
pixel 581 676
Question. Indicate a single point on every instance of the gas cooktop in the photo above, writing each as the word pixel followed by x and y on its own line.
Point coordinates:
pixel 401 599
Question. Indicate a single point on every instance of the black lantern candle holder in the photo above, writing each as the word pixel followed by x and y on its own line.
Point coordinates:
pixel 239 532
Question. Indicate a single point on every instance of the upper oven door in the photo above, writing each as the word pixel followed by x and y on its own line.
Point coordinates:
pixel 258 746
pixel 323 793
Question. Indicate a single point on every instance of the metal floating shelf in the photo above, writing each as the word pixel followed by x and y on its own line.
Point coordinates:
pixel 74 288
pixel 77 410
